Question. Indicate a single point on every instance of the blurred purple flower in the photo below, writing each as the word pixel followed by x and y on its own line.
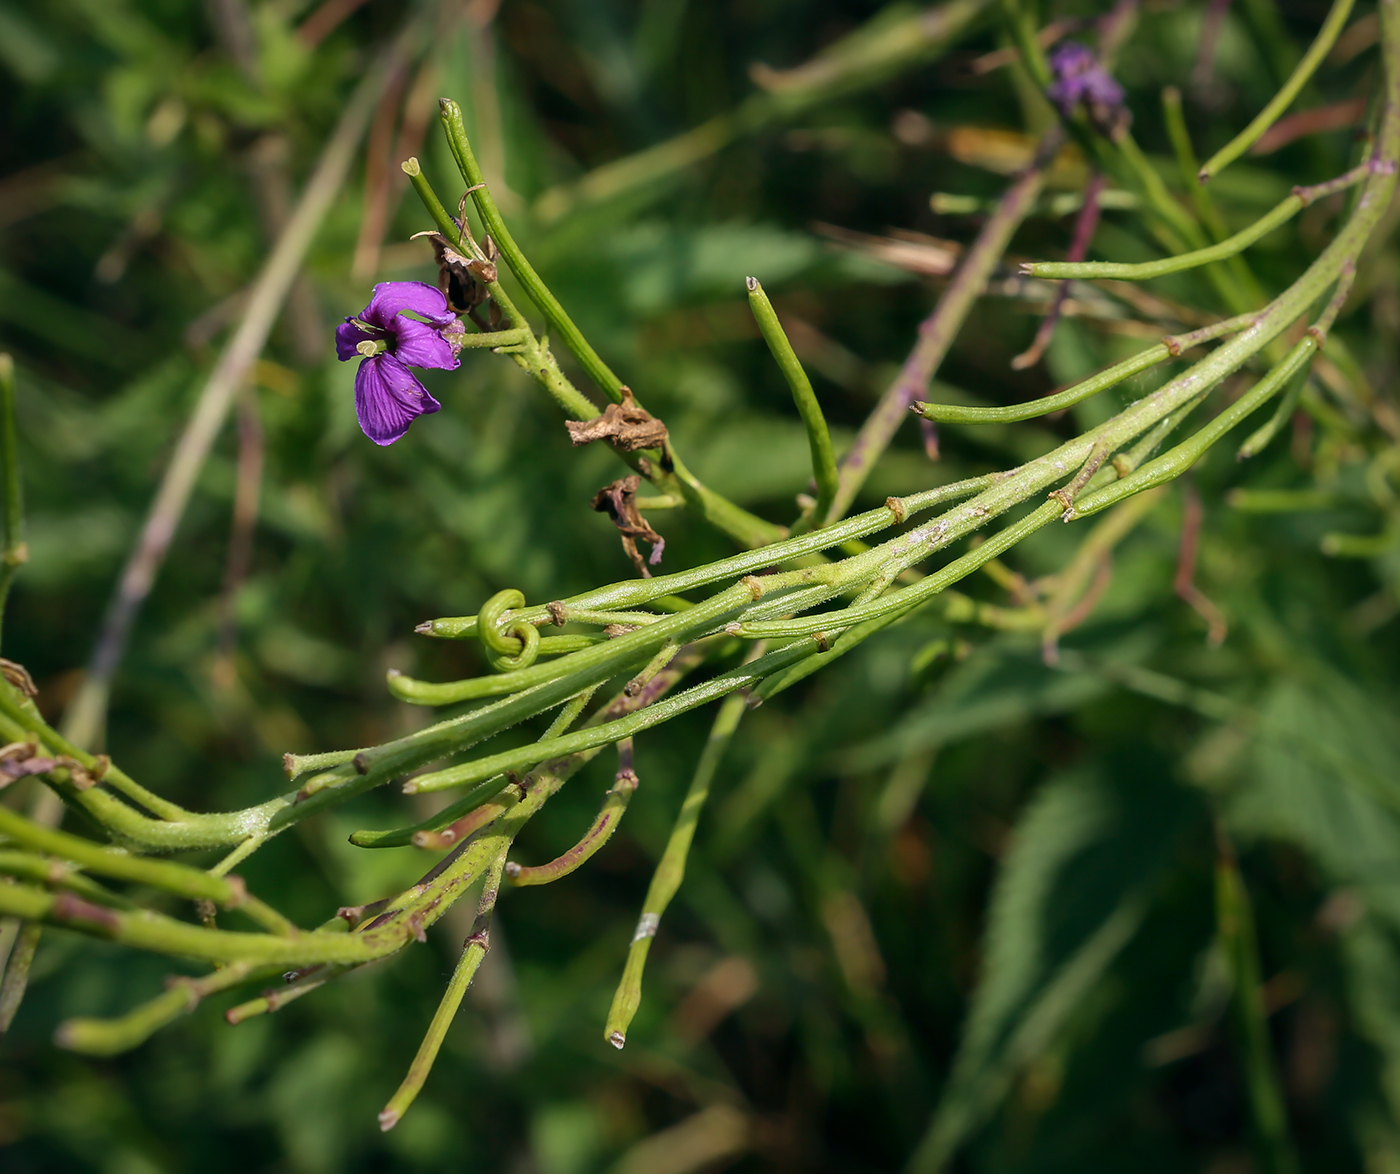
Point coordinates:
pixel 1080 78
pixel 388 396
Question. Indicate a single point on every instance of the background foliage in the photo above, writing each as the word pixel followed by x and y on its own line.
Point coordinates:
pixel 941 881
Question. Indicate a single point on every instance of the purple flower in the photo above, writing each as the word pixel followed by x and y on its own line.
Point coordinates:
pixel 388 396
pixel 1080 78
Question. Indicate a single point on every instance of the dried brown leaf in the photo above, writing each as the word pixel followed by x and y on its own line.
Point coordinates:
pixel 626 425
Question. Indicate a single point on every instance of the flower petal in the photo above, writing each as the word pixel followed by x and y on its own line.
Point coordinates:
pixel 388 398
pixel 348 335
pixel 421 345
pixel 392 298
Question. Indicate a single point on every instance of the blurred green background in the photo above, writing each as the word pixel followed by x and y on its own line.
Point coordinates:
pixel 939 822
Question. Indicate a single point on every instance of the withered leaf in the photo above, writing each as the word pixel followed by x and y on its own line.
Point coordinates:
pixel 619 502
pixel 627 425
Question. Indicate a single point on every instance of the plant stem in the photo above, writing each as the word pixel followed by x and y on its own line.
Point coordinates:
pixel 160 874
pixel 1326 37
pixel 560 322
pixel 109 1037
pixel 60 874
pixel 808 407
pixel 17 973
pixel 634 592
pixel 1111 377
pixel 1172 464
pixel 590 843
pixel 1235 931
pixel 1229 247
pixel 666 880
pixel 938 330
pixel 473 951
pixel 1259 440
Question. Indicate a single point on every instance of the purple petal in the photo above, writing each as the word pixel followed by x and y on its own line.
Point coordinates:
pixel 392 298
pixel 1080 78
pixel 388 398
pixel 1070 57
pixel 421 345
pixel 1100 88
pixel 349 335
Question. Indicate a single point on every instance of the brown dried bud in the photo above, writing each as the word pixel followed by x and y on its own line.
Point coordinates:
pixel 619 502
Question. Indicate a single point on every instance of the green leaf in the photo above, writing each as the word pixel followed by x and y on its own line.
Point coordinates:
pixel 1006 683
pixel 1325 776
pixel 1070 895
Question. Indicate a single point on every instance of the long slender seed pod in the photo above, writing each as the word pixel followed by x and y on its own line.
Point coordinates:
pixel 808 407
pixel 589 844
pixel 109 1037
pixel 1260 438
pixel 1321 46
pixel 1111 377
pixel 635 592
pixel 473 951
pixel 671 869
pixel 1284 211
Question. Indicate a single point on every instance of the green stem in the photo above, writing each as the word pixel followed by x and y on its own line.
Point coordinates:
pixel 454 812
pixel 1280 215
pixel 901 602
pixel 59 874
pixel 559 321
pixel 1259 440
pixel 1235 931
pixel 1178 460
pixel 109 1037
pixel 634 592
pixel 275 998
pixel 1326 38
pixel 473 951
pixel 808 407
pixel 160 874
pixel 1172 464
pixel 16 978
pixel 607 733
pixel 164 935
pixel 1111 377
pixel 666 880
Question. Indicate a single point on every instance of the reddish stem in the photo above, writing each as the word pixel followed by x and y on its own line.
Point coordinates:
pixel 1185 582
pixel 1085 225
